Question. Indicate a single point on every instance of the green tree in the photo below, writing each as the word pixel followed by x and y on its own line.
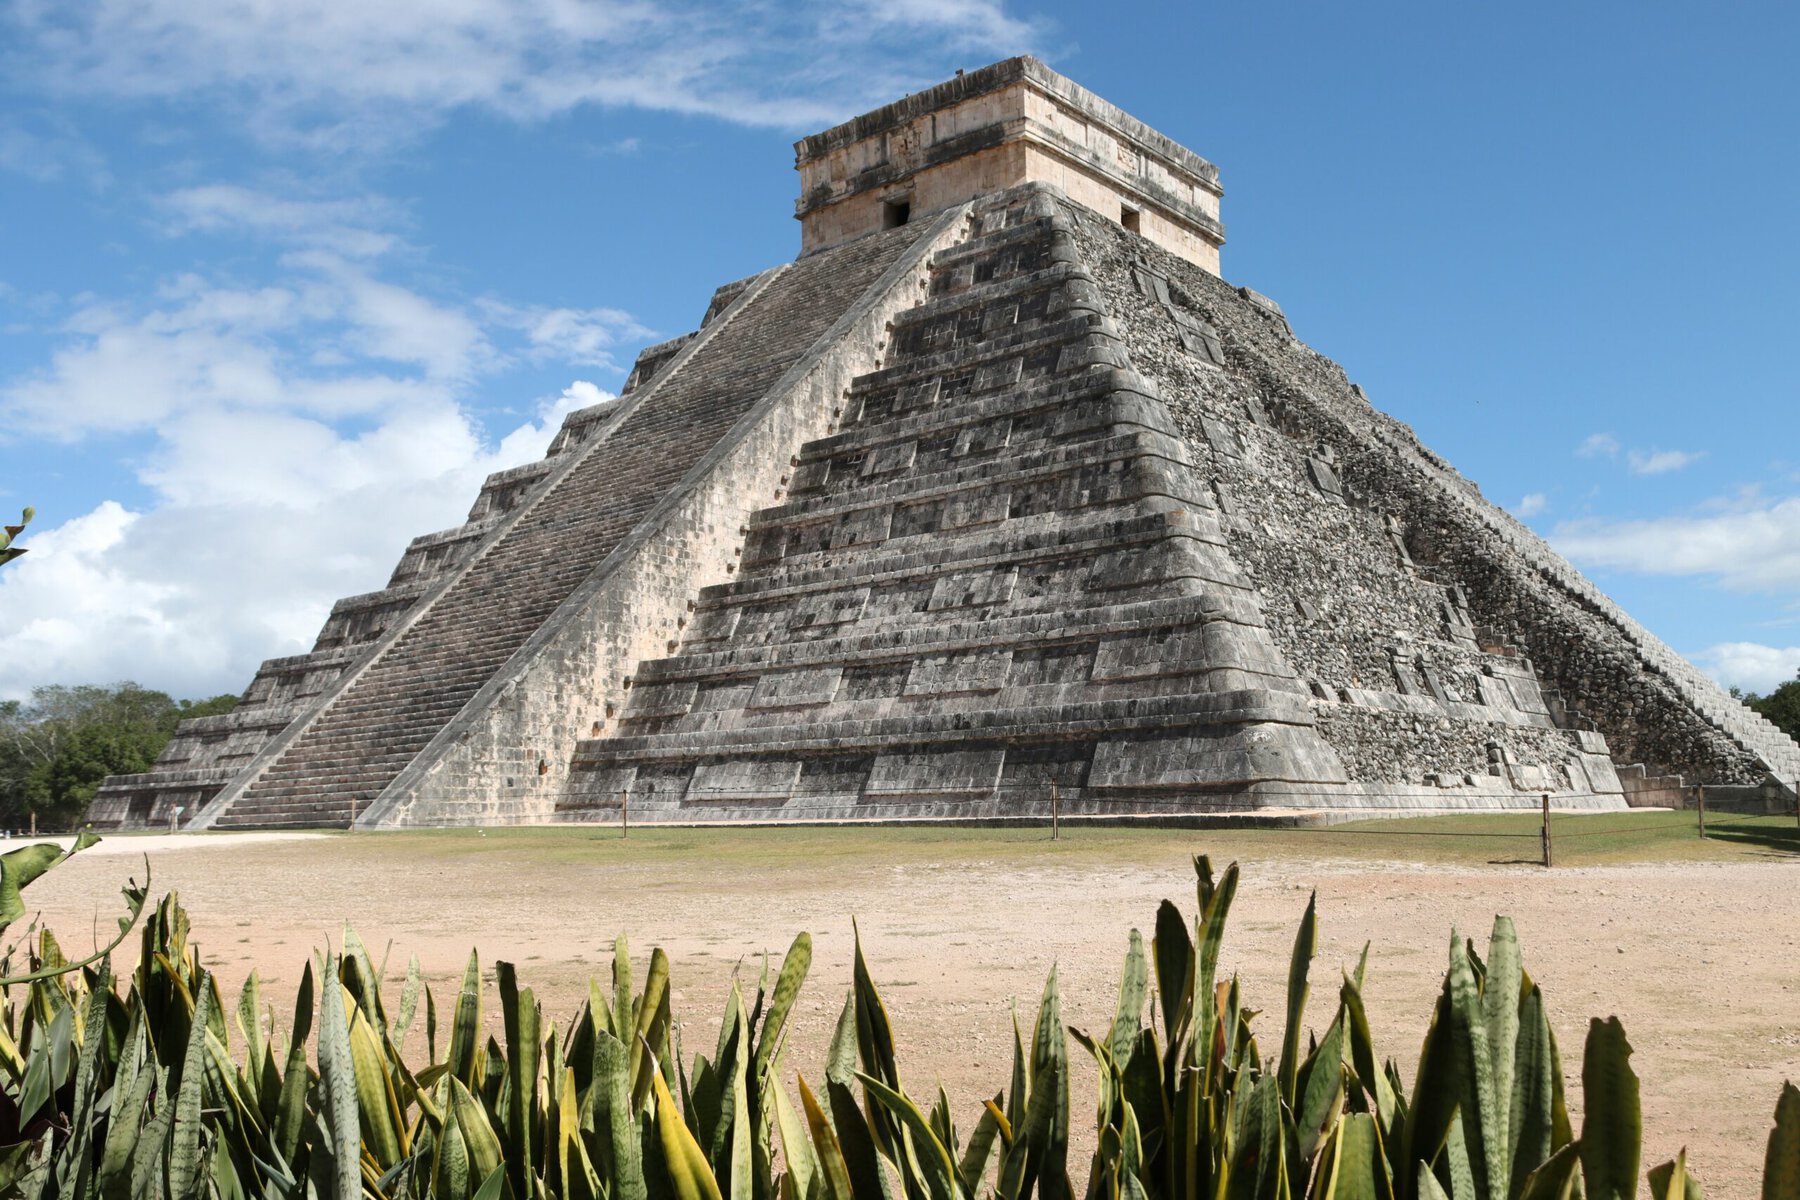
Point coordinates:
pixel 1781 706
pixel 56 749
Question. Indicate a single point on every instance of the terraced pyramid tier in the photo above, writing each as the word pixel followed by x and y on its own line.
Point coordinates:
pixel 1009 571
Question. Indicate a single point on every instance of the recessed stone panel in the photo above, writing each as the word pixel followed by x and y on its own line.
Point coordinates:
pixel 967 773
pixel 742 780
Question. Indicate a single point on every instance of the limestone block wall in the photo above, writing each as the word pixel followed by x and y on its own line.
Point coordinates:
pixel 504 760
pixel 1407 544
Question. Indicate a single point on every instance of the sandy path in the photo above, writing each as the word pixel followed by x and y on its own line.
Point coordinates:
pixel 1698 959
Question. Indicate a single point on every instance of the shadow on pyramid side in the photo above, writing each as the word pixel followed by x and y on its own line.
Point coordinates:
pixel 1007 506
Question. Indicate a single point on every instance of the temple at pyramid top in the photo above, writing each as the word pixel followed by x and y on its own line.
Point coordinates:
pixel 1011 123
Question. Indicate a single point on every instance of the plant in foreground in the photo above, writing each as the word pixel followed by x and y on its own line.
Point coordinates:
pixel 151 1086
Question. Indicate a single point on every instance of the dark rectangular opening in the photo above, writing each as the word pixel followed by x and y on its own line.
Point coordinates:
pixel 1131 218
pixel 895 213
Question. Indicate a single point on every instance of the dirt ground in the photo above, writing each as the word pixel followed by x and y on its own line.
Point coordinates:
pixel 1698 958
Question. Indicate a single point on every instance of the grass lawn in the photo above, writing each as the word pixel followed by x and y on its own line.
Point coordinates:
pixel 1460 840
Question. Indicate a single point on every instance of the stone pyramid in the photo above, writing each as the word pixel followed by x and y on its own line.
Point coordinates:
pixel 998 497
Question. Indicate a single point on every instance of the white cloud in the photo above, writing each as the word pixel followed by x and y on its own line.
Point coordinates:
pixel 1598 445
pixel 1750 666
pixel 350 72
pixel 293 436
pixel 264 520
pixel 352 227
pixel 582 336
pixel 1532 504
pixel 1657 462
pixel 207 347
pixel 1754 545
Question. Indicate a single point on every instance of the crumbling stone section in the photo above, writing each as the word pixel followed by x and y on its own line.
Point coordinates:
pixel 1385 573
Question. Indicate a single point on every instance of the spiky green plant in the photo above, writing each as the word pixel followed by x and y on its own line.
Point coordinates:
pixel 150 1086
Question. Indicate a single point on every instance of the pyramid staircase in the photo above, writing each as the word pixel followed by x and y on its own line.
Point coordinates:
pixel 1000 574
pixel 572 513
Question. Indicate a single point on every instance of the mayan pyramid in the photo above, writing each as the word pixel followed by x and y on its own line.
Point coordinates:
pixel 998 492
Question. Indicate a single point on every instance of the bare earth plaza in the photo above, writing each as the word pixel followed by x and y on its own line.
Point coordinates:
pixel 985 576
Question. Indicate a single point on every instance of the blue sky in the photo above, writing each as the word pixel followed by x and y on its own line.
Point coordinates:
pixel 281 281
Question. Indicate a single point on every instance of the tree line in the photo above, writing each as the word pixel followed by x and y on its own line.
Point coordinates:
pixel 57 747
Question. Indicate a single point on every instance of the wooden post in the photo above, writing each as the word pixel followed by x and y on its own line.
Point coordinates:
pixel 1700 803
pixel 34 823
pixel 624 812
pixel 1546 834
pixel 354 797
pixel 1055 813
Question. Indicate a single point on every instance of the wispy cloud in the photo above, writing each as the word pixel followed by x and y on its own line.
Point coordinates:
pixel 355 227
pixel 1659 462
pixel 1638 462
pixel 1598 445
pixel 347 71
pixel 1532 504
pixel 1751 545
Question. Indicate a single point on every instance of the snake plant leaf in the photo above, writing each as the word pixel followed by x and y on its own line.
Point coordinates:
pixel 1354 1165
pixel 493 1187
pixel 1501 994
pixel 856 1138
pixel 787 988
pixel 465 1025
pixel 248 1018
pixel 186 1178
pixel 337 1081
pixel 937 1170
pixel 1306 944
pixel 1781 1161
pixel 1134 989
pixel 1532 1117
pixel 833 1167
pixel 521 1018
pixel 1555 1178
pixel 1429 1187
pixel 1050 1066
pixel 972 1167
pixel 1018 1093
pixel 382 1124
pixel 147 1154
pixel 689 1174
pixel 290 1115
pixel 132 1087
pixel 1460 1163
pixel 483 1144
pixel 796 1147
pixel 1361 1046
pixel 409 1004
pixel 1471 1073
pixel 1612 1125
pixel 1671 1181
pixel 1215 906
pixel 1322 1096
pixel 617 1141
pixel 1172 950
pixel 1257 1166
pixel 652 1029
pixel 77 1154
